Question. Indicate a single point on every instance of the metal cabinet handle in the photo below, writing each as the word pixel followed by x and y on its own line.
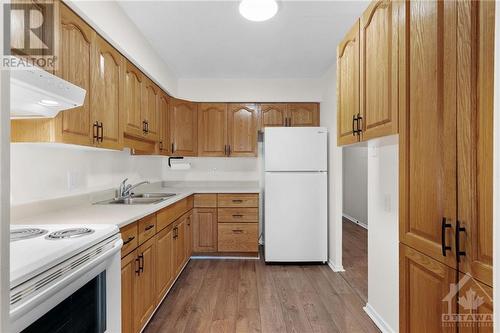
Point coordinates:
pixel 147 127
pixel 458 230
pixel 444 225
pixel 228 150
pixel 149 227
pixel 129 240
pixel 95 132
pixel 100 136
pixel 225 150
pixel 359 124
pixel 138 267
pixel 141 262
pixel 144 127
pixel 237 200
pixel 160 145
pixel 173 147
pixel 237 231
pixel 237 215
pixel 354 129
pixel 175 233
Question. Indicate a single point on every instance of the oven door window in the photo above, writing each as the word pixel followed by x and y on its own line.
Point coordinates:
pixel 83 312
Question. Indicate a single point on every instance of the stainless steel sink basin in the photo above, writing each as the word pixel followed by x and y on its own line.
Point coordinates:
pixel 138 199
pixel 154 195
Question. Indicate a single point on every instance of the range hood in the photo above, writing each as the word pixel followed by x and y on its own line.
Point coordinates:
pixel 35 93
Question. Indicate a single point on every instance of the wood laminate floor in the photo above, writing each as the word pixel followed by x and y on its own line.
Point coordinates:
pixel 355 257
pixel 250 296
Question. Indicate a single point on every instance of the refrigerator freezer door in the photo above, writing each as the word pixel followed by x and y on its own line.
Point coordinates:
pixel 295 149
pixel 295 220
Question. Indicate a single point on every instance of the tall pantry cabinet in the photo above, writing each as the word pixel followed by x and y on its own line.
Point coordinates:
pixel 446 116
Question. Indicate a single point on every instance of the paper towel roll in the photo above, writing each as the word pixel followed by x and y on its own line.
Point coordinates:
pixel 180 166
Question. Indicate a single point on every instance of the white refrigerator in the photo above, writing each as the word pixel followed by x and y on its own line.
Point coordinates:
pixel 295 194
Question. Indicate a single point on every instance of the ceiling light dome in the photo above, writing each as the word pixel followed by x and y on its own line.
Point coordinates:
pixel 258 10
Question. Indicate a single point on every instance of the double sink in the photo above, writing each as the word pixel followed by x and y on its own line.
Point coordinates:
pixel 138 199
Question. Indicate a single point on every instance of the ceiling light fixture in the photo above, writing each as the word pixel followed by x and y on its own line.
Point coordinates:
pixel 258 10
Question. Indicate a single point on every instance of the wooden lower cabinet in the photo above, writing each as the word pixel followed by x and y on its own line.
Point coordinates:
pixel 164 262
pixel 238 237
pixel 189 235
pixel 475 301
pixel 205 230
pixel 145 292
pixel 129 273
pixel 179 244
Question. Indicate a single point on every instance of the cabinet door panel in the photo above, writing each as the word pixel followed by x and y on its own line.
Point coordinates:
pixel 164 138
pixel 128 279
pixel 189 235
pixel 424 292
pixel 151 115
pixel 132 104
pixel 475 147
pixel 164 262
pixel 74 66
pixel 273 115
pixel 242 129
pixel 184 128
pixel 180 245
pixel 303 114
pixel 428 135
pixel 205 230
pixel 106 92
pixel 475 301
pixel 379 69
pixel 145 297
pixel 212 129
pixel 348 86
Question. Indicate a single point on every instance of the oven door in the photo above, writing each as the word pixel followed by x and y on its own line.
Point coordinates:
pixel 82 294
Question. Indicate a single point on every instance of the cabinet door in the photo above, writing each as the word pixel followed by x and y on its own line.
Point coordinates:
pixel 151 114
pixel 212 129
pixel 242 129
pixel 428 135
pixel 303 114
pixel 106 92
pixel 74 65
pixel 130 269
pixel 475 300
pixel 180 244
pixel 183 128
pixel 379 69
pixel 425 293
pixel 273 115
pixel 145 296
pixel 164 138
pixel 132 101
pixel 164 261
pixel 205 230
pixel 475 128
pixel 189 235
pixel 348 86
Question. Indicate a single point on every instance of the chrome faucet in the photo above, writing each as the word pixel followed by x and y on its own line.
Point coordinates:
pixel 125 189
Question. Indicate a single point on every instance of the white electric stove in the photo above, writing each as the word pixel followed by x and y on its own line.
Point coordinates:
pixel 56 268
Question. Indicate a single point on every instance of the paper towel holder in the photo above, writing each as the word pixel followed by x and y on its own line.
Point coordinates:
pixel 174 158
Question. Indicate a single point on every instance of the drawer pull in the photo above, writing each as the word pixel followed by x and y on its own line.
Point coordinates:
pixel 129 240
pixel 237 200
pixel 149 227
pixel 237 215
pixel 237 231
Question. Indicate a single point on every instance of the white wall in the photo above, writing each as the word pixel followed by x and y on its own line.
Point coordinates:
pixel 43 171
pixel 214 169
pixel 108 18
pixel 354 183
pixel 329 120
pixel 251 90
pixel 383 238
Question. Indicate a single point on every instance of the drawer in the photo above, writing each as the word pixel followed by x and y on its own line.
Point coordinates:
pixel 130 238
pixel 238 200
pixel 205 200
pixel 147 228
pixel 238 215
pixel 171 213
pixel 238 237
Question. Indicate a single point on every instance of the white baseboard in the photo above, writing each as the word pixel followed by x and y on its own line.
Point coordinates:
pixel 336 268
pixel 377 319
pixel 353 220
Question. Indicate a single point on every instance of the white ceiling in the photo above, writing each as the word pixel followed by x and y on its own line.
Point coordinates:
pixel 209 39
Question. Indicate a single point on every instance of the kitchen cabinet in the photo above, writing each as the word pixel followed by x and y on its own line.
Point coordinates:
pixel 183 128
pixel 303 114
pixel 165 273
pixel 189 235
pixel 151 115
pixel 129 271
pixel 238 237
pixel 179 244
pixel 212 129
pixel 379 70
pixel 273 115
pixel 348 109
pixel 480 305
pixel 164 137
pixel 204 229
pixel 243 120
pixel 106 94
pixel 132 101
pixel 145 292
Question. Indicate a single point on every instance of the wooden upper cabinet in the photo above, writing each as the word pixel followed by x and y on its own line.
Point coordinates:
pixel 132 101
pixel 106 93
pixel 303 114
pixel 212 129
pixel 348 86
pixel 273 115
pixel 379 69
pixel 242 129
pixel 164 137
pixel 184 128
pixel 150 108
pixel 428 127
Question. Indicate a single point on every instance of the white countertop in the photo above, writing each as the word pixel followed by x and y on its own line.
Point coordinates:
pixel 81 210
